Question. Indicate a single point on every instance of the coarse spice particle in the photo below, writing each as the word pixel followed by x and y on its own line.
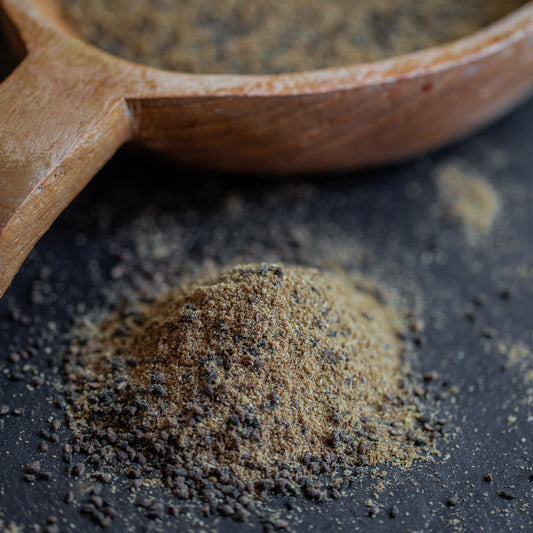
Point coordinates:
pixel 274 36
pixel 258 380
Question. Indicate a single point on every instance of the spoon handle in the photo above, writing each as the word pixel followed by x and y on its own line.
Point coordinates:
pixel 57 129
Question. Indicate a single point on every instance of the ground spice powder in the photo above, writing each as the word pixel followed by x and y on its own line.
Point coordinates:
pixel 467 197
pixel 260 379
pixel 274 36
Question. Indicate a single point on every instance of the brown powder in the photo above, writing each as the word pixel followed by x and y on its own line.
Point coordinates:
pixel 466 196
pixel 273 36
pixel 260 370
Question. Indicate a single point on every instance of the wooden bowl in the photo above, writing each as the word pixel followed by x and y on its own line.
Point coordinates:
pixel 68 107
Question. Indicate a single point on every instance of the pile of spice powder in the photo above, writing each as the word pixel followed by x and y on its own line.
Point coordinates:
pixel 258 380
pixel 274 36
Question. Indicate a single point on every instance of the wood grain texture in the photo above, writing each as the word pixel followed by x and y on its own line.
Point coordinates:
pixel 69 106
pixel 60 121
pixel 43 168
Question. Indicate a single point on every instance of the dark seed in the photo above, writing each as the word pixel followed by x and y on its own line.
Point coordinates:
pixel 104 521
pixel 173 510
pixel 226 510
pixel 87 508
pixel 96 501
pixel 32 468
pixel 78 469
pixel 488 333
pixel 132 473
pixel 431 376
pixel 505 293
pixel 453 499
pixel 156 510
pixel 110 511
pixel 241 515
pixel 143 502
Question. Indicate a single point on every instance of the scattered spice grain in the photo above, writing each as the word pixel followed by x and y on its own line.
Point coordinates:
pixel 274 36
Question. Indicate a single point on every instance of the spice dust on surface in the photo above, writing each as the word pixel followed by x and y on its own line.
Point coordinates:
pixel 274 36
pixel 258 380
pixel 10 528
pixel 123 475
pixel 467 197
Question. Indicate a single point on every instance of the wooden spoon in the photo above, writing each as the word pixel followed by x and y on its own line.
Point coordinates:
pixel 68 107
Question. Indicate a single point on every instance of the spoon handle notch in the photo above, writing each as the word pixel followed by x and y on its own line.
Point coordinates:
pixel 57 129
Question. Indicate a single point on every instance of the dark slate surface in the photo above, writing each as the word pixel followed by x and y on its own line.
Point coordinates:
pixel 391 214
